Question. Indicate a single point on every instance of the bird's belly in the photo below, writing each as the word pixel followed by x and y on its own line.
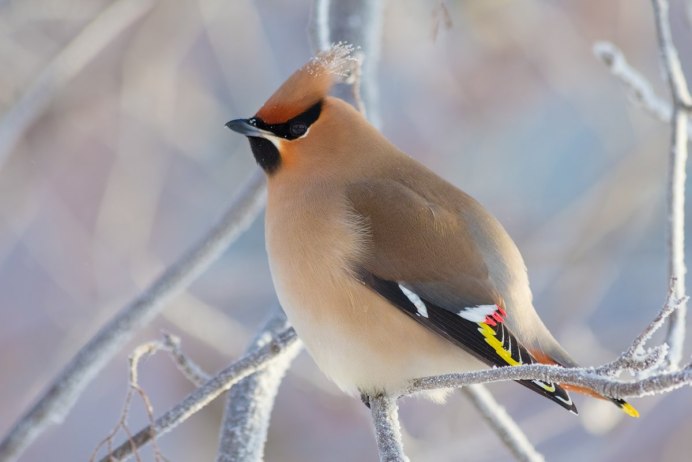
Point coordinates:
pixel 357 338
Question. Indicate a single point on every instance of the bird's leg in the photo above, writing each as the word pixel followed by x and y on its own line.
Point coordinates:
pixel 365 398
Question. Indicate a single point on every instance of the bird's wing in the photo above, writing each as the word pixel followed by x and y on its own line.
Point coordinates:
pixel 422 258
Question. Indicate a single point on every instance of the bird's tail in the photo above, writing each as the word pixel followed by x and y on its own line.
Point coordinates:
pixel 626 407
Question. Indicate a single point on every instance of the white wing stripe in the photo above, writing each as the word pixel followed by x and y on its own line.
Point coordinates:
pixel 417 302
pixel 477 313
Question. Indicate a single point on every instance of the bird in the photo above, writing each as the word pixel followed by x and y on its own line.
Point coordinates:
pixel 387 272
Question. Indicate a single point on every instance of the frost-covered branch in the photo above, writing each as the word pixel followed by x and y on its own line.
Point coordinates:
pixel 193 372
pixel 250 402
pixel 582 376
pixel 638 87
pixel 385 414
pixel 682 104
pixel 280 346
pixel 636 358
pixel 61 395
pixel 502 424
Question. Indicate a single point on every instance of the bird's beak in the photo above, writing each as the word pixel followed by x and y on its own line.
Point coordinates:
pixel 247 128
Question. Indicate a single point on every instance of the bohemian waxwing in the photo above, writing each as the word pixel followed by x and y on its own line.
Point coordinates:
pixel 386 271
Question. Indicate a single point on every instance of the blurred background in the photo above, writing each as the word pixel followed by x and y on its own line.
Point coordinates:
pixel 128 164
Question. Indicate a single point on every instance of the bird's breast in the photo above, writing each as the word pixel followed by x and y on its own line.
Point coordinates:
pixel 356 337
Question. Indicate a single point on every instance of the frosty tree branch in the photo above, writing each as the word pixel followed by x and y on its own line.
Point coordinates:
pixel 677 114
pixel 61 395
pixel 279 347
pixel 385 414
pixel 638 87
pixel 682 104
pixel 582 376
pixel 249 403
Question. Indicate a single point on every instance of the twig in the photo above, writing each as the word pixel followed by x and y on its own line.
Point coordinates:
pixel 67 64
pixel 582 376
pixel 636 358
pixel 59 398
pixel 279 346
pixel 249 403
pixel 385 415
pixel 137 355
pixel 502 424
pixel 682 103
pixel 639 88
pixel 193 372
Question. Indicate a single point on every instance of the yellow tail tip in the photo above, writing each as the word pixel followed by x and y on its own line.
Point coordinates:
pixel 629 410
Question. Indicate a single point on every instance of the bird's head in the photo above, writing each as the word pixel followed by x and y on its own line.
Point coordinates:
pixel 299 122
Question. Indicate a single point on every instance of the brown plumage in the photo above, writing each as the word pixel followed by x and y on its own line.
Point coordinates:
pixel 387 271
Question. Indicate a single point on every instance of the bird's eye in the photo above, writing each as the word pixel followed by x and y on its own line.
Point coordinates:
pixel 298 129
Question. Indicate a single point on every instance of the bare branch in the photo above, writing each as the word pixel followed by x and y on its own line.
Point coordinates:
pixel 582 376
pixel 59 398
pixel 193 372
pixel 281 345
pixel 682 103
pixel 636 358
pixel 249 403
pixel 64 67
pixel 638 87
pixel 385 415
pixel 137 355
pixel 502 424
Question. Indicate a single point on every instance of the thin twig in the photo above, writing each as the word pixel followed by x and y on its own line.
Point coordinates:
pixel 250 402
pixel 141 352
pixel 639 88
pixel 66 65
pixel 636 358
pixel 385 415
pixel 682 103
pixel 61 395
pixel 582 376
pixel 279 346
pixel 191 370
pixel 502 424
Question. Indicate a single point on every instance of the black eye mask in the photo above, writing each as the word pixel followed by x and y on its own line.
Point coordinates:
pixel 294 128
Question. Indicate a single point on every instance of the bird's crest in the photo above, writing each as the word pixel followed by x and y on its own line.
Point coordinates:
pixel 309 84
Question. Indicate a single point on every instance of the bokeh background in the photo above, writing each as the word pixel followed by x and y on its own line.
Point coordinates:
pixel 129 164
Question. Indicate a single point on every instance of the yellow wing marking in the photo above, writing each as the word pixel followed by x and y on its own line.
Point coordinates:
pixel 492 340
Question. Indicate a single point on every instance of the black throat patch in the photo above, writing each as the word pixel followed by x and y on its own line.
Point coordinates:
pixel 266 154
